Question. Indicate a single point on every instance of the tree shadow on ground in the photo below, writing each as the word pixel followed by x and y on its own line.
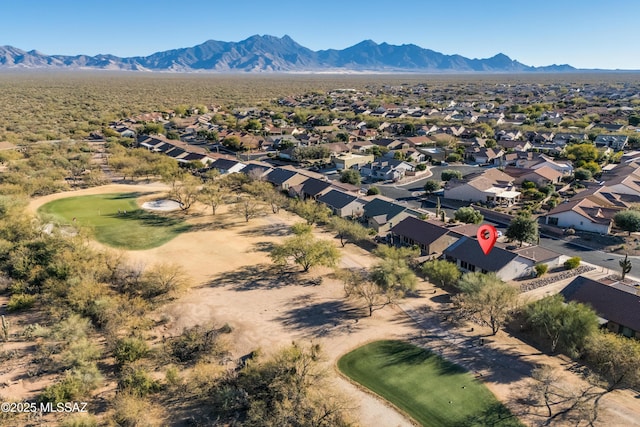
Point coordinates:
pixel 211 226
pixel 473 353
pixel 280 230
pixel 322 318
pixel 442 298
pixel 151 219
pixel 496 414
pixel 262 247
pixel 261 276
pixel 133 195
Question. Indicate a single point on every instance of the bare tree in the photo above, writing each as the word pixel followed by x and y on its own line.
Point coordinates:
pixel 359 285
pixel 213 195
pixel 185 191
pixel 248 207
pixel 554 401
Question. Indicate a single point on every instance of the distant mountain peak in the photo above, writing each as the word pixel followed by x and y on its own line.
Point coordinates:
pixel 277 54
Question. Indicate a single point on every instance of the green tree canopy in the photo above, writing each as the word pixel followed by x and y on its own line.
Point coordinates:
pixel 431 185
pixel 523 229
pixel 350 176
pixel 449 174
pixel 582 174
pixel 628 220
pixel 615 358
pixel 566 326
pixel 306 251
pixel 441 272
pixel 312 211
pixel 233 143
pixel 586 152
pixel 486 299
pixel 468 215
pixel 348 231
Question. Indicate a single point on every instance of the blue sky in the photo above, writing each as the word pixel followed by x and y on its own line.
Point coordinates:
pixel 585 34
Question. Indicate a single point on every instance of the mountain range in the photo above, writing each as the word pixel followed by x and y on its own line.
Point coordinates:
pixel 277 55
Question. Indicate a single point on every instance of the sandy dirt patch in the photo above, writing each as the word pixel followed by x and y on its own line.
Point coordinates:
pixel 227 258
pixel 162 205
pixel 229 263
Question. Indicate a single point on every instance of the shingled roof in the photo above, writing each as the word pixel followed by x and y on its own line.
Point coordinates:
pixel 468 250
pixel 419 231
pixel 618 303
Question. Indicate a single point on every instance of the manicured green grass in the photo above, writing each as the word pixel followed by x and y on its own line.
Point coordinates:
pixel 428 388
pixel 135 230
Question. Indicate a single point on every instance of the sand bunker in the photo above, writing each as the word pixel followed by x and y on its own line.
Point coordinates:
pixel 161 205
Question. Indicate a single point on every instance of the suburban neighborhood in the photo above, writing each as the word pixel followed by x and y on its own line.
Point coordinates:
pixel 352 219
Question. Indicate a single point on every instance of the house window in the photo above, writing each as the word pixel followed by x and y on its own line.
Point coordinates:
pixel 472 268
pixel 552 220
pixel 463 264
pixel 484 271
pixel 627 332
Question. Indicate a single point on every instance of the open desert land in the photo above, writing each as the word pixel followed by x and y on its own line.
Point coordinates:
pixel 235 282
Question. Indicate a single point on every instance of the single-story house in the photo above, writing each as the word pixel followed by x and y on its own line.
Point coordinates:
pixel 351 161
pixel 507 264
pixel 284 178
pixel 256 170
pixel 584 214
pixel 342 204
pixel 227 166
pixel 386 169
pixel 617 303
pixel 382 215
pixel 491 185
pixel 309 189
pixel 429 237
pixel 617 142
pixel 541 176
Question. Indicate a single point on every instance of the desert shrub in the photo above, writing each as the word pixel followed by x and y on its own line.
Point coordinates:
pixel 81 420
pixel 73 328
pixel 372 191
pixel 80 352
pixel 75 385
pixel 572 263
pixel 130 349
pixel 172 376
pixel 20 302
pixel 541 269
pixel 137 382
pixel 135 411
pixel 196 343
pixel 35 330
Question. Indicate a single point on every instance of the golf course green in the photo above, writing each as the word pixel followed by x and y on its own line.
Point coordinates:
pixel 116 220
pixel 431 390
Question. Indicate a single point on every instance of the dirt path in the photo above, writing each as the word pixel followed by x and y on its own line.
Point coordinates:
pixel 504 363
pixel 227 259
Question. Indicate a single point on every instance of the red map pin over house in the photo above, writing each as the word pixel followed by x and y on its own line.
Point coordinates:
pixel 487 236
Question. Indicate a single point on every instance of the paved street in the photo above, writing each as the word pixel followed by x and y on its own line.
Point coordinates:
pixel 412 195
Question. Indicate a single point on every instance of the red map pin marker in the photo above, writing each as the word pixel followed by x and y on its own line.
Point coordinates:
pixel 487 236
